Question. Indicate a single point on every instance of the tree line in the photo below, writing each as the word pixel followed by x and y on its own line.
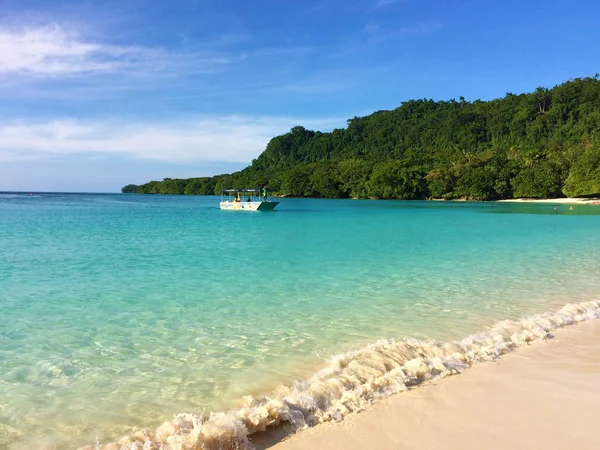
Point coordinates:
pixel 541 144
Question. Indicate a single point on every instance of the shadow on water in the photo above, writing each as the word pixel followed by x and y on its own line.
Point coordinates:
pixel 322 205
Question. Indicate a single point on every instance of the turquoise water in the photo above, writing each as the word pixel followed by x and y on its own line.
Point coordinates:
pixel 118 311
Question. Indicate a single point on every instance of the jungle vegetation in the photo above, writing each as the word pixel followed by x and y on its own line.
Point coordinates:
pixel 541 144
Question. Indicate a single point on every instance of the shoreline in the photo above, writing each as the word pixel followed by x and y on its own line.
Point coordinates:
pixel 558 201
pixel 353 382
pixel 540 396
pixel 563 200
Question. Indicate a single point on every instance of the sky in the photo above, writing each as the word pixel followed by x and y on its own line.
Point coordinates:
pixel 95 95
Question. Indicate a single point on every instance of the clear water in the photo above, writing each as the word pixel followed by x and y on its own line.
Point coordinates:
pixel 118 311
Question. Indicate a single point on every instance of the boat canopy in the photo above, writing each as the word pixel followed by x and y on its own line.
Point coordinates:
pixel 241 190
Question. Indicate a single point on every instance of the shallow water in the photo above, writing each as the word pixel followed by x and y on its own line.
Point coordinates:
pixel 119 311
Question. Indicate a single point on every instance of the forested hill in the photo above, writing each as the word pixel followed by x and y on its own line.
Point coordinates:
pixel 542 144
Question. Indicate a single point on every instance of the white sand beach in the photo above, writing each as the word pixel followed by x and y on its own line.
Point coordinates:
pixel 557 201
pixel 542 396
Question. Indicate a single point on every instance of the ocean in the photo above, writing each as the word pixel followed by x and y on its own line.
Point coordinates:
pixel 119 312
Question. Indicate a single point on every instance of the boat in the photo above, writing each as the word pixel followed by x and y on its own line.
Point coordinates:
pixel 246 200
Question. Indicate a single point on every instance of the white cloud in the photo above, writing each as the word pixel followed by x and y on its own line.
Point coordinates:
pixel 382 3
pixel 375 33
pixel 222 139
pixel 51 51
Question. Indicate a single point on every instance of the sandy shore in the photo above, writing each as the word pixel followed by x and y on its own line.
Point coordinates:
pixel 543 396
pixel 556 201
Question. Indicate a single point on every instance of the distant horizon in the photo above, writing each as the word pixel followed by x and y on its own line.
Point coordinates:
pixel 56 192
pixel 26 192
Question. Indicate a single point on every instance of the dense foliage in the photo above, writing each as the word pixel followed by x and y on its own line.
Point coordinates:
pixel 130 189
pixel 542 144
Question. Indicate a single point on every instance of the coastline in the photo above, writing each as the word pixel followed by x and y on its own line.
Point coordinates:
pixel 558 201
pixel 360 380
pixel 543 395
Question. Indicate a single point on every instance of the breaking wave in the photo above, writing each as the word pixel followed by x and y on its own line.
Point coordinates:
pixel 348 383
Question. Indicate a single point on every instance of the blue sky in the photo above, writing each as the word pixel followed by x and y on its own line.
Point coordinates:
pixel 95 95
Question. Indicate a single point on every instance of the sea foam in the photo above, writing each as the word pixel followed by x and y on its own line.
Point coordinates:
pixel 348 383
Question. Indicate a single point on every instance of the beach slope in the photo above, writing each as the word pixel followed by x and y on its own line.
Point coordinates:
pixel 545 396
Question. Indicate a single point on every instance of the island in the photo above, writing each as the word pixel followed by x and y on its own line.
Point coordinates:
pixel 543 144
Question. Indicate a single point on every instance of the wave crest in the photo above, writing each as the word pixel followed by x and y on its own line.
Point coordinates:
pixel 348 383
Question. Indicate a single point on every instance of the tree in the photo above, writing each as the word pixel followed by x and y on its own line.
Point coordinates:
pixel 130 189
pixel 584 177
pixel 543 99
pixel 297 182
pixel 353 175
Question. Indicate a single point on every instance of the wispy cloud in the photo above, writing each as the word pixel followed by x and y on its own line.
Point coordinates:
pixel 205 139
pixel 383 3
pixel 51 51
pixel 376 33
pixel 365 5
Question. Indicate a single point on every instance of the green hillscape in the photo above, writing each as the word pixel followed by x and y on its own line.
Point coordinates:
pixel 542 144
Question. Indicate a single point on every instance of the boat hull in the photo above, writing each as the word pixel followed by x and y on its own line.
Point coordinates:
pixel 248 206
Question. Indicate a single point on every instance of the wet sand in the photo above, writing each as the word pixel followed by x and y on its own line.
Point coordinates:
pixel 542 396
